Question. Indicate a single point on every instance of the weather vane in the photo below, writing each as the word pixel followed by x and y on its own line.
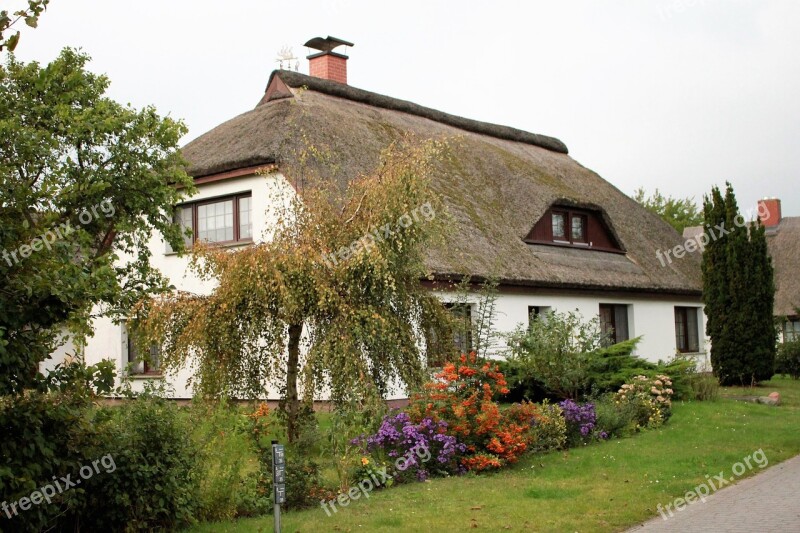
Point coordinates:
pixel 285 55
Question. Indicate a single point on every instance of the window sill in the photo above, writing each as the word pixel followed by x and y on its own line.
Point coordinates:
pixel 578 246
pixel 146 376
pixel 236 244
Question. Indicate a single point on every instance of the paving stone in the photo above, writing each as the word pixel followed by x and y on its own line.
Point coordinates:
pixel 764 503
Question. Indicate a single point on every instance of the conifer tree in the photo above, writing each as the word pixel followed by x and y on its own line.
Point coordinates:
pixel 738 291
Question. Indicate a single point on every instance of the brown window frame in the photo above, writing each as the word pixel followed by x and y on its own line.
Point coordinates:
pixel 616 333
pixel 568 215
pixel 134 357
pixel 683 337
pixel 462 337
pixel 237 238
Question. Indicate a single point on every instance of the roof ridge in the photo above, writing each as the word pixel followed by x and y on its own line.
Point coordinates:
pixel 332 88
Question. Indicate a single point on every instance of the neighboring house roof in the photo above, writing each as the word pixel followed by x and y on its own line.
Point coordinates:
pixel 497 184
pixel 784 248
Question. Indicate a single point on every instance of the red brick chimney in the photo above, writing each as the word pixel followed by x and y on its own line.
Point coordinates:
pixel 769 212
pixel 326 63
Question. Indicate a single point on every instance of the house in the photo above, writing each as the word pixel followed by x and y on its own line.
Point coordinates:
pixel 783 243
pixel 554 234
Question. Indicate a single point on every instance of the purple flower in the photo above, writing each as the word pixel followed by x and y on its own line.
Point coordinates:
pixel 416 444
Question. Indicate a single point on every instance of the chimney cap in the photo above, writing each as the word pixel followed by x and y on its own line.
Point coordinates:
pixel 327 44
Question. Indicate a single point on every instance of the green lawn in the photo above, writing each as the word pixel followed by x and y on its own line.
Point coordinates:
pixel 603 487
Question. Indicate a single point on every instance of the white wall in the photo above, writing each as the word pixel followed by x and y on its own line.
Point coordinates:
pixel 651 318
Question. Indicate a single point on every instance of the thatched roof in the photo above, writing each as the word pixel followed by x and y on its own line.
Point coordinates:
pixel 497 185
pixel 784 248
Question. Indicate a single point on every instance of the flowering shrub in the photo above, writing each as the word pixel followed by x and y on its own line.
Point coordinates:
pixel 416 450
pixel 462 396
pixel 651 398
pixel 550 430
pixel 581 422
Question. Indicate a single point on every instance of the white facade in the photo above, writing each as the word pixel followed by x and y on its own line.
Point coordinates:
pixel 652 318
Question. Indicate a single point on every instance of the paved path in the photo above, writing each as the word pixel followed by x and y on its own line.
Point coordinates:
pixel 767 502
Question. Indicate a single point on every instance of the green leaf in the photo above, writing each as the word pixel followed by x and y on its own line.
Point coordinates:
pixel 12 41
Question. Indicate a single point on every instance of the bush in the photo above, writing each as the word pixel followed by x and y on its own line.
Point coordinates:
pixel 48 434
pixel 228 484
pixel 788 359
pixel 581 423
pixel 567 357
pixel 650 399
pixel 616 419
pixel 419 450
pixel 556 349
pixel 156 481
pixel 703 386
pixel 549 430
pixel 463 397
pixel 45 436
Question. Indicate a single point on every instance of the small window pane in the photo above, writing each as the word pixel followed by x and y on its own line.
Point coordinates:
pixel 245 223
pixel 558 226
pixel 578 229
pixel 185 220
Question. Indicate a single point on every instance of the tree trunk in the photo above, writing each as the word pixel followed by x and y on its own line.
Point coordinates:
pixel 292 371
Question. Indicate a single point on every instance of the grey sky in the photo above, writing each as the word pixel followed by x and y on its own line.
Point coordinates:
pixel 674 94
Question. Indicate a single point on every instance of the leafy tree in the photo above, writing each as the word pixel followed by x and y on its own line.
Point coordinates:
pixel 680 213
pixel 30 15
pixel 738 292
pixel 340 276
pixel 83 183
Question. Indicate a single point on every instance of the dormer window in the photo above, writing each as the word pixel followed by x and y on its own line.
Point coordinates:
pixel 569 227
pixel 573 226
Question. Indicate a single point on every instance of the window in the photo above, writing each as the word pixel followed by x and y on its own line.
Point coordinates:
pixel 687 338
pixel 569 227
pixel 585 228
pixel 791 330
pixel 614 322
pixel 536 310
pixel 142 362
pixel 462 326
pixel 221 220
pixel 578 228
pixel 558 226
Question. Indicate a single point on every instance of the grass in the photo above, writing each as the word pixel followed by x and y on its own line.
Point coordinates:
pixel 607 486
